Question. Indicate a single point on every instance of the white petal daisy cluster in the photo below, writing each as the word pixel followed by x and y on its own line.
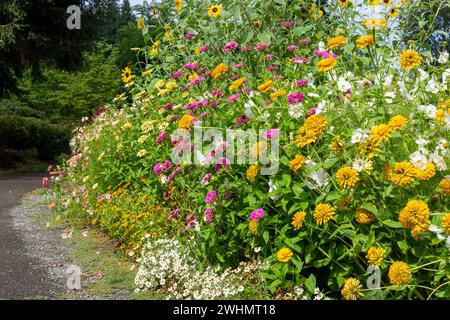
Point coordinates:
pixel 168 267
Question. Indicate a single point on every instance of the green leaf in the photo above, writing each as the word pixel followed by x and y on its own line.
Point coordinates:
pixel 310 283
pixel 392 224
pixel 298 264
pixel 266 236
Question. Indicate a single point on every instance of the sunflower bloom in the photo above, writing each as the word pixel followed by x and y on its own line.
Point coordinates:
pixel 375 256
pixel 326 64
pixel 215 11
pixel 410 59
pixel 297 163
pixel 178 5
pixel 365 41
pixel 352 289
pixel 284 255
pixel 126 75
pixel 386 3
pixel 347 177
pixel 397 122
pixel 323 213
pixel 399 273
pixel 393 12
pixel 298 219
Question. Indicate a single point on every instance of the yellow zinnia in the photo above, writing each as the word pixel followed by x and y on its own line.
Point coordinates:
pixel 410 59
pixel 326 64
pixel 323 213
pixel 338 41
pixel 298 219
pixel 352 289
pixel 284 255
pixel 347 177
pixel 399 273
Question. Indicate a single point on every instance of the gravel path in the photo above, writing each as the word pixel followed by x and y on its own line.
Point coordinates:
pixel 32 259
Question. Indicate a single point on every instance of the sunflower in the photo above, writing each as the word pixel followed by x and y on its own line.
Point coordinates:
pixel 266 86
pixel 364 216
pixel 344 3
pixel 410 59
pixel 347 177
pixel 126 75
pixel 352 289
pixel 365 41
pixel 399 273
pixel 375 256
pixel 298 219
pixel 185 121
pixel 386 2
pixel 284 255
pixel 323 213
pixel 338 41
pixel 252 172
pixel 374 23
pixel 140 23
pixel 445 185
pixel 178 5
pixel 427 173
pixel 403 174
pixel 257 24
pixel 215 10
pixel 446 223
pixel 326 64
pixel 397 122
pixel 393 12
pixel 297 163
pixel 374 2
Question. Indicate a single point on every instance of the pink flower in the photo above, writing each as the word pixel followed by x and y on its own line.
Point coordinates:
pixel 174 214
pixel 262 46
pixel 169 106
pixel 269 56
pixel 246 48
pixel 161 136
pixel 176 74
pixel 191 65
pixel 295 98
pixel 271 68
pixel 189 36
pixel 208 216
pixel 300 60
pixel 230 46
pixel 217 93
pixel 288 24
pixel 233 98
pixel 242 120
pixel 222 163
pixel 271 133
pixel 257 214
pixel 205 179
pixel 302 83
pixel 292 48
pixel 304 41
pixel 204 48
pixel 312 111
pixel 239 65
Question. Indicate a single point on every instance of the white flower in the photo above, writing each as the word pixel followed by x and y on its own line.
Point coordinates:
pixel 248 106
pixel 389 96
pixel 317 179
pixel 322 46
pixel 434 228
pixel 273 187
pixel 418 160
pixel 432 86
pixel 429 110
pixel 296 110
pixel 388 81
pixel 443 57
pixel 360 164
pixel 343 84
pixel 257 249
pixel 321 107
pixel 438 161
pixel 163 179
pixel 445 75
pixel 360 136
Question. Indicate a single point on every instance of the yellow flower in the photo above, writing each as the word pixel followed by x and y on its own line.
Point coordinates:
pixel 297 163
pixel 101 156
pixel 352 289
pixel 284 255
pixel 127 126
pixel 257 24
pixel 258 149
pixel 316 123
pixel 159 84
pixel 140 23
pixel 298 219
pixel 406 1
pixel 336 146
pixel 155 48
pixel 335 42
pixel 415 213
pixel 141 153
pixel 170 85
pixel 305 136
pixel 253 227
pixel 410 59
pixel 440 115
pixel 380 132
pixel 445 185
pixel 344 3
pixel 375 256
pixel 237 84
pixel 214 11
pixel 403 174
pixel 252 172
pixel 217 72
pixel 386 2
pixel 374 2
pixel 364 217
pixel 326 64
pixel 370 148
pixel 266 86
pixel 278 93
pixel 427 173
pixel 323 213
pixel 347 177
pixel 178 5
pixel 365 41
pixel 446 223
pixel 397 122
pixel 126 75
pixel 393 12
pixel 185 121
pixel 143 138
pixel 399 273
pixel 374 23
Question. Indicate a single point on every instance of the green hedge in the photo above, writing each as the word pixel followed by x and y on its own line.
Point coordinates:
pixel 22 133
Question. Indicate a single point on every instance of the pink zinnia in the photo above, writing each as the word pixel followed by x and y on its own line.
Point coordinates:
pixel 161 136
pixel 312 111
pixel 304 41
pixel 246 48
pixel 288 24
pixel 242 120
pixel 300 60
pixel 233 98
pixel 302 83
pixel 189 36
pixel 205 179
pixel 176 74
pixel 204 48
pixel 271 133
pixel 292 48
pixel 239 65
pixel 261 46
pixel 211 197
pixel 208 215
pixel 295 98
pixel 174 214
pixel 271 68
pixel 257 214
pixel 230 46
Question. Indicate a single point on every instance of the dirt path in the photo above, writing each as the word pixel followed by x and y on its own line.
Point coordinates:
pixel 22 275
